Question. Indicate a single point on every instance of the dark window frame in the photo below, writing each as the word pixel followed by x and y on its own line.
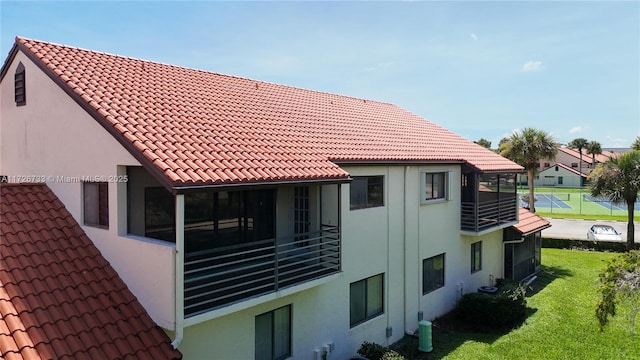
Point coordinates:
pixel 428 265
pixel 98 204
pixel 260 353
pixel 362 319
pixel 366 192
pixel 20 86
pixel 476 256
pixel 430 187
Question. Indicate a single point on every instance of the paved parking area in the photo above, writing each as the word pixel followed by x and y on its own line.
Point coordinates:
pixel 577 229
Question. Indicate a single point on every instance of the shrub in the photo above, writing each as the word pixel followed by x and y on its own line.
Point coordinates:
pixel 392 355
pixel 507 307
pixel 372 351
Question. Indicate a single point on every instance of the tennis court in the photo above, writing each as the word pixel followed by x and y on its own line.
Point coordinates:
pixel 607 204
pixel 551 201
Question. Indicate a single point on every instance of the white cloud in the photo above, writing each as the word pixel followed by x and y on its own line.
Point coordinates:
pixel 576 130
pixel 474 36
pixel 532 66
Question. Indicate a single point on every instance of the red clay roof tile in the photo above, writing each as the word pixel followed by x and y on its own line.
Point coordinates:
pixel 55 304
pixel 268 132
pixel 529 222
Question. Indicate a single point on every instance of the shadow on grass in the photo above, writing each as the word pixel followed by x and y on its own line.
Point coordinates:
pixel 450 333
pixel 545 277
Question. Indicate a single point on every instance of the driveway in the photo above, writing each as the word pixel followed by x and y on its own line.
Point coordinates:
pixel 577 229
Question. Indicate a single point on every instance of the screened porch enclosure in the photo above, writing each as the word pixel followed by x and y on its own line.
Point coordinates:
pixel 488 201
pixel 243 243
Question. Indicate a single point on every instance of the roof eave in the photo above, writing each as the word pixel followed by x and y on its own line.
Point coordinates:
pixel 144 161
pixel 8 60
pixel 189 187
pixel 534 230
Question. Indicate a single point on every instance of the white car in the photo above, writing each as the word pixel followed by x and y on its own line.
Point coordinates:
pixel 603 233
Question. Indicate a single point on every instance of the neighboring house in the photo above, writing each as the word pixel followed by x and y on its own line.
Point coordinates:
pixel 255 220
pixel 571 158
pixel 560 175
pixel 566 159
pixel 523 246
pixel 59 298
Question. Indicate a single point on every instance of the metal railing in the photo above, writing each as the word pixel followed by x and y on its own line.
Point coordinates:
pixel 480 216
pixel 220 276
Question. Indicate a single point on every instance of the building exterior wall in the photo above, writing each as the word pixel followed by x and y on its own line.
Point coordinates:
pixel 393 240
pixel 552 175
pixel 53 137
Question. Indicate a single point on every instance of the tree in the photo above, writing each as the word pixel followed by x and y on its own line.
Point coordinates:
pixel 636 144
pixel 527 148
pixel 619 283
pixel 484 143
pixel 619 180
pixel 579 144
pixel 594 148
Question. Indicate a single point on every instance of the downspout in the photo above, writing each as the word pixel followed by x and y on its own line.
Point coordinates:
pixel 404 252
pixel 179 273
pixel 386 192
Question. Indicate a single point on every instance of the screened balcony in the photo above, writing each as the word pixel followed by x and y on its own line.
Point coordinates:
pixel 488 201
pixel 240 244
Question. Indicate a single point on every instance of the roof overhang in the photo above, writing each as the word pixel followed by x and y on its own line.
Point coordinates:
pixel 190 188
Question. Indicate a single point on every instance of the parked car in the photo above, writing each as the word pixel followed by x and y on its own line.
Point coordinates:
pixel 603 232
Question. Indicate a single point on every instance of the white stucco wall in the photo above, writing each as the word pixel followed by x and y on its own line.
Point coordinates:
pixel 53 137
pixel 549 177
pixel 373 242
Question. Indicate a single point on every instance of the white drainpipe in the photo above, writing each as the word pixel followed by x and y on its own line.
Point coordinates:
pixel 179 273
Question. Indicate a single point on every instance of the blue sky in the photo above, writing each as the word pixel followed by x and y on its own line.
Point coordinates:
pixel 480 69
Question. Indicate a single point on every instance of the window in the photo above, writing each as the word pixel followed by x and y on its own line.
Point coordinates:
pixel 476 256
pixel 560 180
pixel 435 186
pixel 273 334
pixel 96 204
pixel 432 273
pixel 365 299
pixel 20 87
pixel 574 165
pixel 366 192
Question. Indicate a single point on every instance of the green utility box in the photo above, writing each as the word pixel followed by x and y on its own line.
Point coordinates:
pixel 424 333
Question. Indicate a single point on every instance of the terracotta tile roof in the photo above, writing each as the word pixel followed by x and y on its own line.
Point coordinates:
pixel 588 158
pixel 59 298
pixel 529 222
pixel 202 127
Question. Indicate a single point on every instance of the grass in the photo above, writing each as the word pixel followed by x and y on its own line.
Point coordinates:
pixel 561 323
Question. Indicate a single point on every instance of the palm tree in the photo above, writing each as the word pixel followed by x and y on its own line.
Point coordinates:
pixel 594 148
pixel 526 149
pixel 579 144
pixel 636 144
pixel 619 180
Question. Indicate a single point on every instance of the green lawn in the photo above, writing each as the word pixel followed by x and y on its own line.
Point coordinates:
pixel 561 323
